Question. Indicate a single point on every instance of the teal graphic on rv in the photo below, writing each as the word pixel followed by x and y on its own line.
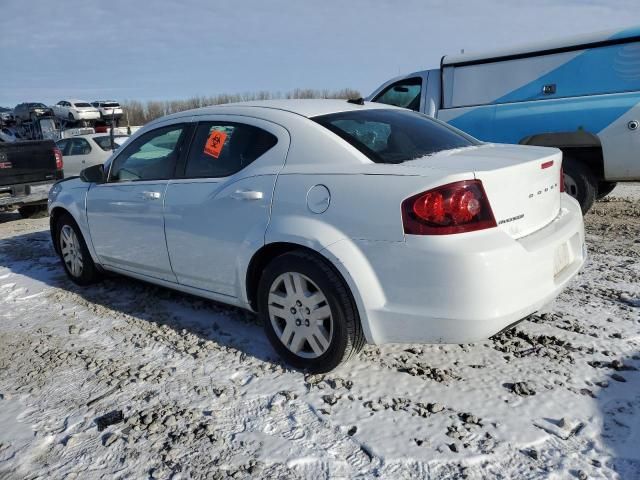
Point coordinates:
pixel 581 95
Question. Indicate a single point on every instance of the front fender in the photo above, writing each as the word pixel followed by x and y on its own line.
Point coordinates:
pixel 72 200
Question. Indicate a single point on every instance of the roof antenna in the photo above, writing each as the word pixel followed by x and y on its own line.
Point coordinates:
pixel 356 101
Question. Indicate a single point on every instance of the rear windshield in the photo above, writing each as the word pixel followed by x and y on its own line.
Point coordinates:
pixel 110 104
pixel 82 104
pixel 105 142
pixel 394 136
pixel 36 105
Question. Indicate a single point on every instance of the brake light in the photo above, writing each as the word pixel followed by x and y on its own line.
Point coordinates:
pixel 454 208
pixel 561 179
pixel 58 154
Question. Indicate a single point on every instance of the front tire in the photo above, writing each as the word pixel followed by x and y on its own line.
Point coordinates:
pixel 73 251
pixel 308 313
pixel 605 188
pixel 580 183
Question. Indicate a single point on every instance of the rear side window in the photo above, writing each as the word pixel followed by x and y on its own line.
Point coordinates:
pixel 105 142
pixel 220 149
pixel 405 93
pixel 394 136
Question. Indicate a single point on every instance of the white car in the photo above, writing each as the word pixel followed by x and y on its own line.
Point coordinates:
pixel 82 151
pixel 337 222
pixel 74 110
pixel 108 109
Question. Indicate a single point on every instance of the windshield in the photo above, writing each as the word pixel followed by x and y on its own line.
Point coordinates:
pixel 36 105
pixel 105 142
pixel 394 136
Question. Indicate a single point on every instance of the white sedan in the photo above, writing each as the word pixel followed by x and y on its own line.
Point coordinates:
pixel 82 151
pixel 74 110
pixel 340 223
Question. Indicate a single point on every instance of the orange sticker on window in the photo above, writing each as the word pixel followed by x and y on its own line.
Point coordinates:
pixel 214 144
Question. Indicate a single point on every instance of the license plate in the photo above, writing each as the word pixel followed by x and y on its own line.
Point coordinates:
pixel 561 259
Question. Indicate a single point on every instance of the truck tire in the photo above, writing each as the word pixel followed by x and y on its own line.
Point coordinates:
pixel 28 211
pixel 605 188
pixel 580 183
pixel 308 312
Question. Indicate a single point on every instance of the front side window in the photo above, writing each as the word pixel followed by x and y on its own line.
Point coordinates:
pixel 153 156
pixel 405 93
pixel 220 149
pixel 394 136
pixel 63 145
pixel 79 146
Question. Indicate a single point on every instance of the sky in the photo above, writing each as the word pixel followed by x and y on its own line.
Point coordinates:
pixel 165 50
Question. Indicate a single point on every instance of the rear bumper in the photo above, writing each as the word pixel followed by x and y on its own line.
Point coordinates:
pixel 87 115
pixel 464 288
pixel 116 114
pixel 13 196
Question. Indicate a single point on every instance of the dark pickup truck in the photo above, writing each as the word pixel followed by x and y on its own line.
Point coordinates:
pixel 27 172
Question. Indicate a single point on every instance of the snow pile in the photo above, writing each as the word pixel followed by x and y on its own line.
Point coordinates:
pixel 203 395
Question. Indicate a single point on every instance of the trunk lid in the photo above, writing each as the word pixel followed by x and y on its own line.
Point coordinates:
pixel 522 183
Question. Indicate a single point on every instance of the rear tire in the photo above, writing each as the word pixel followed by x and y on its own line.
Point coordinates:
pixel 28 211
pixel 308 313
pixel 605 188
pixel 73 251
pixel 580 183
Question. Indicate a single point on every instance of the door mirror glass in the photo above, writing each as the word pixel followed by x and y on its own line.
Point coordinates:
pixel 94 174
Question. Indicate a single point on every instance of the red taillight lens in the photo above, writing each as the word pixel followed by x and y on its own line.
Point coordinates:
pixel 454 208
pixel 58 154
pixel 561 179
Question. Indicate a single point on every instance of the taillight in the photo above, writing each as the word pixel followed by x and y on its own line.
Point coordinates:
pixel 454 208
pixel 561 179
pixel 58 154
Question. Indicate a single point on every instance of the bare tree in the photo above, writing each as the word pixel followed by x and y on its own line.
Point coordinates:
pixel 140 113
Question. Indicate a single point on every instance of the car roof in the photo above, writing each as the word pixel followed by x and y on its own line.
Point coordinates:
pixel 74 100
pixel 303 107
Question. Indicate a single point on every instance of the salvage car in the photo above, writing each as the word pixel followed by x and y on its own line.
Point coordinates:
pixel 339 222
pixel 73 110
pixel 30 111
pixel 109 109
pixel 82 151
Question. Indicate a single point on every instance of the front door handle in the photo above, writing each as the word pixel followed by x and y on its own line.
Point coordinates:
pixel 247 195
pixel 150 195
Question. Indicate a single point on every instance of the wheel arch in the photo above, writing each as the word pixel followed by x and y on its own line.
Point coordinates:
pixel 580 145
pixel 270 251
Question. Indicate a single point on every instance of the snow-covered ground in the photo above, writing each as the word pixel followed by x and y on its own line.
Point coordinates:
pixel 204 396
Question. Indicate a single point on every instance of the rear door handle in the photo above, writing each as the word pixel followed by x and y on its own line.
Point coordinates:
pixel 150 195
pixel 246 195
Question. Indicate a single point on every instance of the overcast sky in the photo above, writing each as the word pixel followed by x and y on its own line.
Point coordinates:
pixel 171 49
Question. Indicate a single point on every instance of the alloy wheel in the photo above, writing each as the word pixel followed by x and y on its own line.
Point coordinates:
pixel 70 250
pixel 300 315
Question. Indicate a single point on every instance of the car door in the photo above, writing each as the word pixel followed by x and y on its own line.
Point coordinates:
pixel 217 213
pixel 125 214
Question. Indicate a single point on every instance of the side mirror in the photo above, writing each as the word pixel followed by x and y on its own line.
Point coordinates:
pixel 94 174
